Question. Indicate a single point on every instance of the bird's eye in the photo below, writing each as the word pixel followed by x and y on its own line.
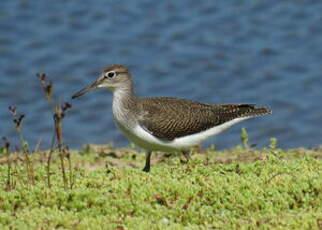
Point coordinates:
pixel 110 74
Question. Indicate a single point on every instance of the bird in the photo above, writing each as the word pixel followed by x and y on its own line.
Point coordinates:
pixel 165 124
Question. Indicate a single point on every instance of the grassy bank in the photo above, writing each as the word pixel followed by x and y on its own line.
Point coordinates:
pixel 232 189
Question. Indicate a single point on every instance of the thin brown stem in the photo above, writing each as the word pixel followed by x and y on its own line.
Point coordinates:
pixel 17 120
pixel 49 160
pixel 70 168
pixel 58 116
pixel 28 162
pixel 7 154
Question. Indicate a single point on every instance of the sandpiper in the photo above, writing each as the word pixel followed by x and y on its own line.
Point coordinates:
pixel 165 123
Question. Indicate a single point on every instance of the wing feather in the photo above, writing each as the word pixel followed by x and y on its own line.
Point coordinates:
pixel 169 118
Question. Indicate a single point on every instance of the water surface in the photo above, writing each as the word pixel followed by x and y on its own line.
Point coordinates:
pixel 265 52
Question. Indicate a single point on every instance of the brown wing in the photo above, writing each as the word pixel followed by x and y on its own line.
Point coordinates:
pixel 170 118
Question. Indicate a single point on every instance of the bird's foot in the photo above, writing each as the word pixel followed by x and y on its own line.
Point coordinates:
pixel 186 157
pixel 146 169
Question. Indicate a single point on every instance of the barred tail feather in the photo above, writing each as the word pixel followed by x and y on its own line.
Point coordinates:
pixel 251 111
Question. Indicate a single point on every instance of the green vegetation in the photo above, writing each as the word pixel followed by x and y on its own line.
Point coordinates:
pixel 239 188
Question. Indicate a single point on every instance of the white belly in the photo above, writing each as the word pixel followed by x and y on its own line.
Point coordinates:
pixel 147 141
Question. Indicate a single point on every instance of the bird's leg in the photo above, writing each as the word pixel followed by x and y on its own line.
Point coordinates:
pixel 147 161
pixel 186 154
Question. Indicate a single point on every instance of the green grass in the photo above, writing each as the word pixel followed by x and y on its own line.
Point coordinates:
pixel 232 189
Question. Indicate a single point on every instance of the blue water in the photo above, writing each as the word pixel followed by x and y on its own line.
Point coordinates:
pixel 266 52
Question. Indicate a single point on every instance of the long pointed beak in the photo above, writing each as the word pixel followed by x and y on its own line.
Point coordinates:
pixel 86 89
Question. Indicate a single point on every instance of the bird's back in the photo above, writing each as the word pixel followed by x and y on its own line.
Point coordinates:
pixel 169 118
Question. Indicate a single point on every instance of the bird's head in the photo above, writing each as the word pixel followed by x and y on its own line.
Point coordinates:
pixel 112 77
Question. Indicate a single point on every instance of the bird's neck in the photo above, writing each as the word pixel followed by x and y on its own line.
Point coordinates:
pixel 124 104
